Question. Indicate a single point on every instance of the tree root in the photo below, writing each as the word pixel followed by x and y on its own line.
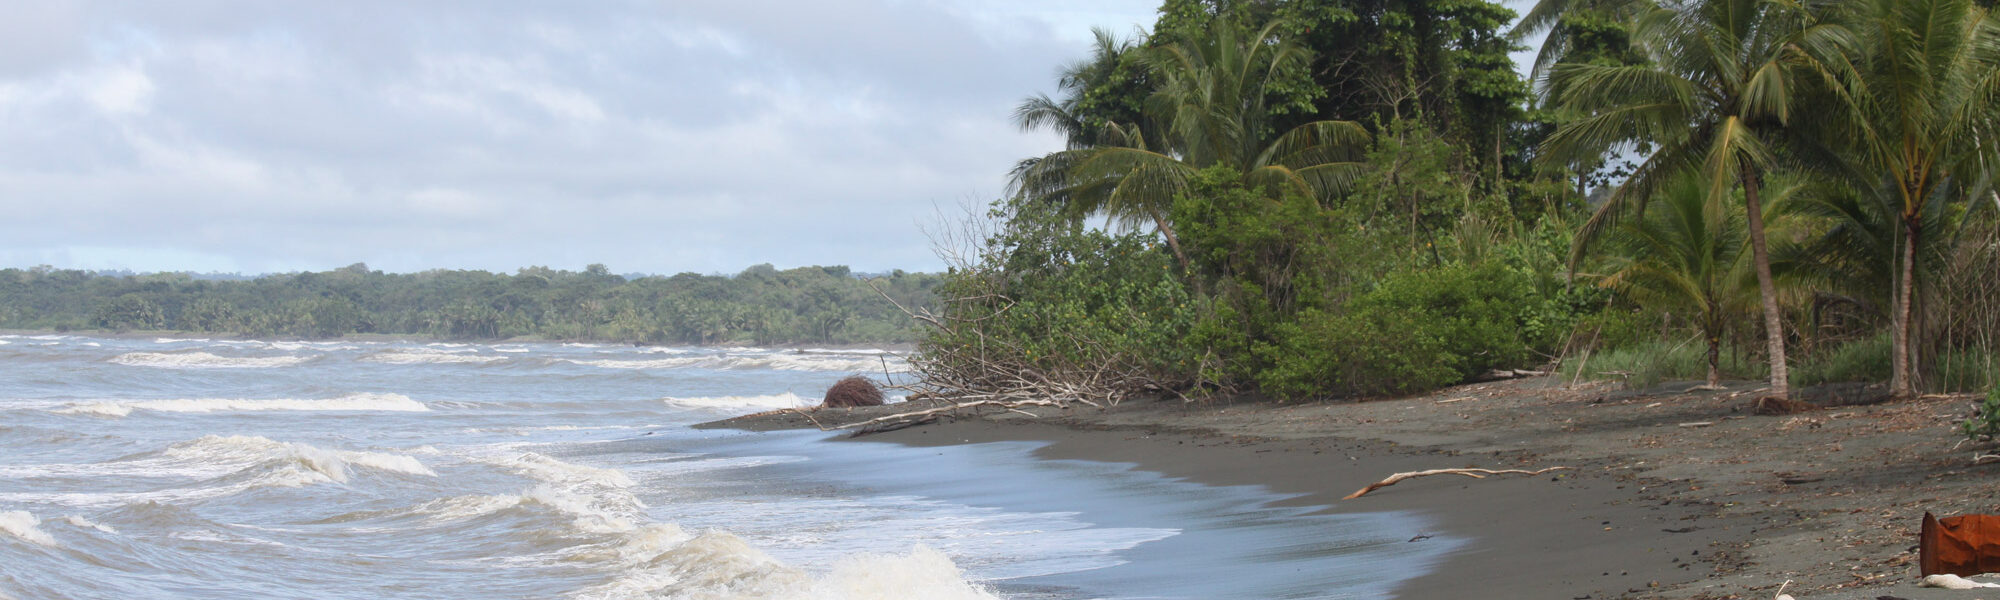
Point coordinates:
pixel 1473 473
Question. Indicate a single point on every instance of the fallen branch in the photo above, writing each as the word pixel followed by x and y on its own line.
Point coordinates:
pixel 1473 473
pixel 1013 405
pixel 1985 458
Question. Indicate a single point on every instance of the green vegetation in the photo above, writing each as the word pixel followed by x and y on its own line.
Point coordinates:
pixel 1312 198
pixel 1984 426
pixel 761 305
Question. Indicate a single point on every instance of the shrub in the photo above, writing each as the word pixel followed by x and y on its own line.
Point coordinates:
pixel 1985 425
pixel 1417 330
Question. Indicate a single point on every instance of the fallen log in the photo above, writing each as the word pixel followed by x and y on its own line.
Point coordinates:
pixel 917 417
pixel 1473 473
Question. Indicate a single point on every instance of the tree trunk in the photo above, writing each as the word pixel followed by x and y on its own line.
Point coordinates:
pixel 1902 382
pixel 1173 242
pixel 1714 360
pixel 1774 326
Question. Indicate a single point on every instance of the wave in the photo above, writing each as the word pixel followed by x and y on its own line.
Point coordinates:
pixel 23 526
pixel 775 362
pixel 76 521
pixel 742 403
pixel 544 468
pixel 205 360
pixel 717 564
pixel 421 357
pixel 223 461
pixel 312 463
pixel 352 402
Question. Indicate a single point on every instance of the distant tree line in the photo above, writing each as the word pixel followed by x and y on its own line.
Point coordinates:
pixel 761 305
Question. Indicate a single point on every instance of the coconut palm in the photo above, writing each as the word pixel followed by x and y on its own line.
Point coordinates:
pixel 1560 38
pixel 1685 254
pixel 1921 99
pixel 1721 77
pixel 1079 125
pixel 1209 107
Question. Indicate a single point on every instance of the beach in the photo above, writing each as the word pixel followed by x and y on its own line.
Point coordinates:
pixel 1669 493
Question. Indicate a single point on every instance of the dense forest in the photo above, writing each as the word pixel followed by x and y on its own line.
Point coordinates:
pixel 761 305
pixel 1311 198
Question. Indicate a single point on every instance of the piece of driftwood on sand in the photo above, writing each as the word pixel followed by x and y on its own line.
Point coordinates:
pixel 1473 473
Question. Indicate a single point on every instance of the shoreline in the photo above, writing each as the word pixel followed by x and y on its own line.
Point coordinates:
pixel 895 347
pixel 1671 494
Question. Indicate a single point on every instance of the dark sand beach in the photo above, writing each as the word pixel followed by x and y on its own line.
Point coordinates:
pixel 1670 494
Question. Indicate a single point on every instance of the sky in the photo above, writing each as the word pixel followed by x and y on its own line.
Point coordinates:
pixel 658 136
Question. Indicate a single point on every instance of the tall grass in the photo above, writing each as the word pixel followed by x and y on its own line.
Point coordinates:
pixel 1648 364
pixel 1859 360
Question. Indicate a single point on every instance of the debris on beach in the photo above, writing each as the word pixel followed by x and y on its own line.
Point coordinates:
pixel 1473 473
pixel 852 391
pixel 1954 582
pixel 1961 545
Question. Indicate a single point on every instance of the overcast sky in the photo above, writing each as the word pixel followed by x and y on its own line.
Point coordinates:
pixel 652 136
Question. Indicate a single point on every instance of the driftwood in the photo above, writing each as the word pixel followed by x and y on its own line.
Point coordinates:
pixel 1503 374
pixel 918 417
pixel 1473 473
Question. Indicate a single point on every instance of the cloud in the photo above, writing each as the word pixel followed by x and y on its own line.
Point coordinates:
pixel 651 136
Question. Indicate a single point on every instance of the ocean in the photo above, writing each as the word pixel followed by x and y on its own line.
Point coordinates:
pixel 139 468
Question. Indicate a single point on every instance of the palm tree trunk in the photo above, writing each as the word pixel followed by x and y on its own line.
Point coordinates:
pixel 1902 385
pixel 1173 241
pixel 1774 327
pixel 1714 360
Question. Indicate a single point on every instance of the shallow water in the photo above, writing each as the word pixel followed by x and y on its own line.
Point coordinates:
pixel 194 468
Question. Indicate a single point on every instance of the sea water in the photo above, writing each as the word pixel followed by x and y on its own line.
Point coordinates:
pixel 221 468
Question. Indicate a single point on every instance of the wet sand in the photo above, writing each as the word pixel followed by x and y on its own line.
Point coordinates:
pixel 1670 494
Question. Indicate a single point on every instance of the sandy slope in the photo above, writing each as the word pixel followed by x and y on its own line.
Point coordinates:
pixel 1658 506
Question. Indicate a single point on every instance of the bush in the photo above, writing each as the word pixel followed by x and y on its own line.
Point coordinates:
pixel 1417 330
pixel 1860 360
pixel 1985 425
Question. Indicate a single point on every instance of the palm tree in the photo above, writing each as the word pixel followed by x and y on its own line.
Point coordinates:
pixel 1080 125
pixel 1685 253
pixel 1721 76
pixel 1560 23
pixel 1918 127
pixel 1209 108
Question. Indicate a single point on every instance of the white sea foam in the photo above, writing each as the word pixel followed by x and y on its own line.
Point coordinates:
pixel 89 524
pixel 548 469
pixel 165 340
pixel 205 360
pixel 778 362
pixel 718 565
pixel 742 403
pixel 427 356
pixel 311 463
pixel 364 402
pixel 22 525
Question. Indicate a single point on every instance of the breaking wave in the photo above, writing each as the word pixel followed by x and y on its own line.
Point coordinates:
pixel 425 356
pixel 776 362
pixel 23 526
pixel 205 360
pixel 351 402
pixel 256 449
